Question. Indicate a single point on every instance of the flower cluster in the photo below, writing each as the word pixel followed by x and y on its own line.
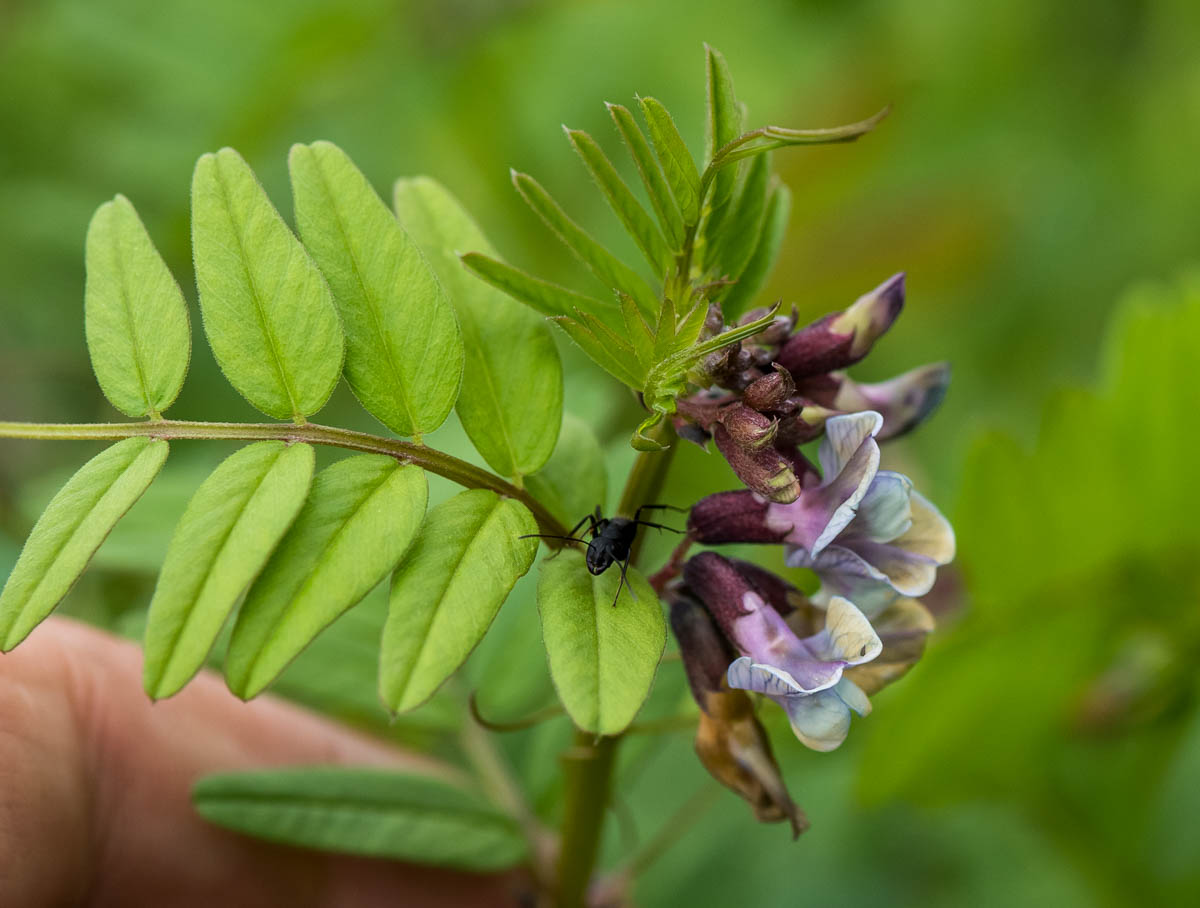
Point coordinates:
pixel 874 543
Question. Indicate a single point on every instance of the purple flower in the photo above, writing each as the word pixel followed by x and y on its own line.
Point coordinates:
pixel 730 741
pixel 865 532
pixel 841 339
pixel 803 675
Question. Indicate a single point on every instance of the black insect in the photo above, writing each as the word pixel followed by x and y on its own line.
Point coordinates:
pixel 612 539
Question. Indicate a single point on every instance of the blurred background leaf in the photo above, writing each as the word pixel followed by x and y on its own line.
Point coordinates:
pixel 1038 162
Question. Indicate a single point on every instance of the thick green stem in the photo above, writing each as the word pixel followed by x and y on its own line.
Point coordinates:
pixel 588 765
pixel 465 474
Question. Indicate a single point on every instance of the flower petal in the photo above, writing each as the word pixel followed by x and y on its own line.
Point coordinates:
pixel 845 573
pixel 848 634
pixel 884 512
pixel 746 674
pixel 930 534
pixel 821 721
pixel 843 436
pixel 908 573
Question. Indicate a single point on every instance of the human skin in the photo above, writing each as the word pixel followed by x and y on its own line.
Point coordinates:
pixel 94 782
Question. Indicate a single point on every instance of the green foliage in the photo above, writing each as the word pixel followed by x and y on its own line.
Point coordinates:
pixel 230 527
pixel 138 332
pixel 661 199
pixel 737 239
pixel 541 296
pixel 750 280
pixel 573 482
pixel 404 355
pixel 603 655
pixel 447 591
pixel 1082 621
pixel 674 158
pixel 622 201
pixel 607 268
pixel 724 119
pixel 375 813
pixel 268 313
pixel 74 524
pixel 511 398
pixel 361 516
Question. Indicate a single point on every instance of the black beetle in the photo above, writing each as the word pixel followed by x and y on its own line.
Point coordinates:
pixel 612 539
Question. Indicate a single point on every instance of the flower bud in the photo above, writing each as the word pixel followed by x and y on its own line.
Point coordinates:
pixel 757 463
pixel 730 742
pixel 739 516
pixel 748 428
pixel 771 391
pixel 904 401
pixel 843 338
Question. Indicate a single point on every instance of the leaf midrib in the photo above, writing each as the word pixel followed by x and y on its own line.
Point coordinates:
pixel 306 585
pixel 255 292
pixel 372 304
pixel 126 307
pixel 172 649
pixel 450 578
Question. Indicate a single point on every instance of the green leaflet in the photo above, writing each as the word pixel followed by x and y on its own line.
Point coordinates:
pixel 623 203
pixel 138 333
pixel 448 589
pixel 355 527
pixel 738 235
pixel 738 298
pixel 602 656
pixel 652 176
pixel 574 480
pixel 724 119
pixel 541 296
pixel 70 530
pixel 268 313
pixel 370 812
pixel 607 268
pixel 404 354
pixel 676 160
pixel 511 397
pixel 230 527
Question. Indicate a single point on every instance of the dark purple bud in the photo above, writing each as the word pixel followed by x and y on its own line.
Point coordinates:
pixel 802 426
pixel 717 582
pixel 771 391
pixel 774 590
pixel 739 516
pixel 775 333
pixel 748 428
pixel 904 401
pixel 705 652
pixel 759 465
pixel 728 367
pixel 843 338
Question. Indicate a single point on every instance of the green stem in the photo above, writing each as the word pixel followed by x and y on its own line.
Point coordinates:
pixel 588 764
pixel 459 471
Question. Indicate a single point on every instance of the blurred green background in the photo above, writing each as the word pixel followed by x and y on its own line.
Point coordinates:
pixel 1039 168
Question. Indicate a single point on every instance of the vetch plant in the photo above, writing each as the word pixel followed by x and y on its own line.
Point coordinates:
pixel 420 316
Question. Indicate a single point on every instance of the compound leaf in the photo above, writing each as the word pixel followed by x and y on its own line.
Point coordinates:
pixel 724 119
pixel 652 176
pixel 70 530
pixel 607 268
pixel 602 656
pixel 268 313
pixel 739 297
pixel 404 354
pixel 511 397
pixel 622 201
pixel 676 160
pixel 359 520
pixel 230 527
pixel 138 333
pixel 370 812
pixel 448 589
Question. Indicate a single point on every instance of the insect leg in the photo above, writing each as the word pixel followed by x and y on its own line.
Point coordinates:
pixel 624 582
pixel 657 526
